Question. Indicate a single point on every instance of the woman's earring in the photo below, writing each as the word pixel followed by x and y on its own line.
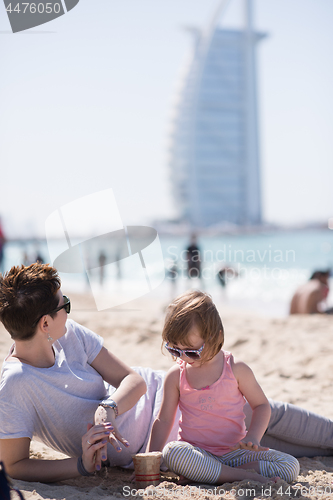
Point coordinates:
pixel 49 338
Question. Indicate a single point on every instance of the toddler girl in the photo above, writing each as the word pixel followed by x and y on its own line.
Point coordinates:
pixel 210 388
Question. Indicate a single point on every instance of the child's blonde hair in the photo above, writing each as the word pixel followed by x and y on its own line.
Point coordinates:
pixel 194 308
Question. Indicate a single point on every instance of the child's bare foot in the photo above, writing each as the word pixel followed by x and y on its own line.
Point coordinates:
pixel 231 474
pixel 263 479
pixel 183 480
pixel 252 476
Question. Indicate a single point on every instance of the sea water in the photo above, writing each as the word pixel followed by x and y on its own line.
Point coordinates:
pixel 265 268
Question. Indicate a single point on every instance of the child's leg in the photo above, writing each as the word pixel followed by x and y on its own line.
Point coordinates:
pixel 192 462
pixel 271 463
pixel 201 466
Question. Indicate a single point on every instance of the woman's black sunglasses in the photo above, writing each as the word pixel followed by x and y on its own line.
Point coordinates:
pixel 66 305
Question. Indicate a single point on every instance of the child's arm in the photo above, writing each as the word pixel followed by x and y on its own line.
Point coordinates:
pixel 254 394
pixel 166 416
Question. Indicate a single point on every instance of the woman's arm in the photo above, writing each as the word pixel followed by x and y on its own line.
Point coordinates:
pixel 166 416
pixel 130 385
pixel 15 455
pixel 256 398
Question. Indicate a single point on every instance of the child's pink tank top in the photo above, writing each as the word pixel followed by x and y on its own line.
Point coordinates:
pixel 212 418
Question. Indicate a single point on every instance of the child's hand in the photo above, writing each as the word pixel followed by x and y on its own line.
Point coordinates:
pixel 249 443
pixel 249 446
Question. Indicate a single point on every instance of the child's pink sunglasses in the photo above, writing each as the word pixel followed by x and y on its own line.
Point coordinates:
pixel 190 353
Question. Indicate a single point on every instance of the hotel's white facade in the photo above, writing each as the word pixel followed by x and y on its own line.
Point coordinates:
pixel 214 159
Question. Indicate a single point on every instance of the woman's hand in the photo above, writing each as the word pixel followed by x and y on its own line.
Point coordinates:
pixel 92 442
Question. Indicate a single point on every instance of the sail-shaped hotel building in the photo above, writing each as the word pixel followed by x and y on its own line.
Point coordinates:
pixel 214 158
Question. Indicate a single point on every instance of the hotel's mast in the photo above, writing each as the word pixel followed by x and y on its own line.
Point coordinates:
pixel 252 169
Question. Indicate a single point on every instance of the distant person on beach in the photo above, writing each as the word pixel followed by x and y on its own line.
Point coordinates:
pixel 309 296
pixel 30 259
pixel 39 258
pixel 58 378
pixel 172 271
pixel 101 263
pixel 25 258
pixel 118 265
pixel 210 388
pixel 172 275
pixel 224 274
pixel 2 245
pixel 193 258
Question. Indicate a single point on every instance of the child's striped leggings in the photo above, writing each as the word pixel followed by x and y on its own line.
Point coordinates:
pixel 201 466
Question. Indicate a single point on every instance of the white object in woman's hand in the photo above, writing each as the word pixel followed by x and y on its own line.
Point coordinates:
pixel 107 416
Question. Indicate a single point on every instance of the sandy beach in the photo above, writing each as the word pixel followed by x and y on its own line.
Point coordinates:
pixel 291 357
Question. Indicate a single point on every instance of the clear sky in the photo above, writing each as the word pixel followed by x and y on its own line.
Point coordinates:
pixel 86 102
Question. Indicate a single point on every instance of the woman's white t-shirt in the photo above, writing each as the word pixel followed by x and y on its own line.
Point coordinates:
pixel 54 405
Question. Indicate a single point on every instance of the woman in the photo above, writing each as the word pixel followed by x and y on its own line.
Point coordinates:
pixel 58 373
pixel 53 381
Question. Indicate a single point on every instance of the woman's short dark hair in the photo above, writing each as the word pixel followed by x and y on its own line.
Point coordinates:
pixel 26 294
